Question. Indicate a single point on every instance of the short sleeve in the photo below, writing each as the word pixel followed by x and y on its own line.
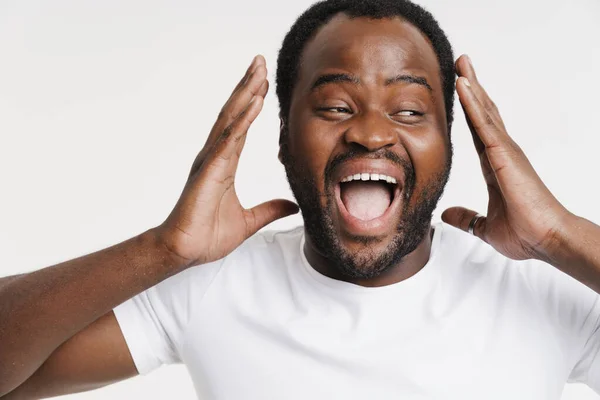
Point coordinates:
pixel 153 322
pixel 573 309
pixel 587 361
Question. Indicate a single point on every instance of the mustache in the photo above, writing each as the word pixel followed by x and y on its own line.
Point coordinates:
pixel 356 153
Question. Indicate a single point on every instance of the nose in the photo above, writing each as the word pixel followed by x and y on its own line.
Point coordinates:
pixel 372 131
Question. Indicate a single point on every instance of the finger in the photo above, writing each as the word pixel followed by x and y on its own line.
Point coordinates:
pixel 238 102
pixel 479 146
pixel 461 218
pixel 264 89
pixel 262 93
pixel 232 109
pixel 486 168
pixel 250 69
pixel 498 143
pixel 223 157
pixel 464 67
pixel 265 213
pixel 481 122
pixel 226 147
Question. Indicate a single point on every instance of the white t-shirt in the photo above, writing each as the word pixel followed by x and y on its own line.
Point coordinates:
pixel 263 324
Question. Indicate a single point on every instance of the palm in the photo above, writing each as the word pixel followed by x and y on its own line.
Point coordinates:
pixel 522 213
pixel 208 221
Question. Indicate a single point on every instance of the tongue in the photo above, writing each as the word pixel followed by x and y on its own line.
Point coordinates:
pixel 365 200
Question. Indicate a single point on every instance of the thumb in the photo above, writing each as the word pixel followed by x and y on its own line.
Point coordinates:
pixel 267 212
pixel 461 218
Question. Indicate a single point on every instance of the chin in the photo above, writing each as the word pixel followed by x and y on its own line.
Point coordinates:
pixel 361 246
pixel 368 214
pixel 367 257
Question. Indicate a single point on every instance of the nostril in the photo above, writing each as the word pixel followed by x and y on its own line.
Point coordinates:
pixel 372 140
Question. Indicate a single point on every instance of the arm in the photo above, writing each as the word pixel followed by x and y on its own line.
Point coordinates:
pixel 42 310
pixel 524 220
pixel 39 311
pixel 96 356
pixel 575 250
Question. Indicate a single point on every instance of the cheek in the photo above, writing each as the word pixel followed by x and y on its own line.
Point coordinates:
pixel 429 152
pixel 311 143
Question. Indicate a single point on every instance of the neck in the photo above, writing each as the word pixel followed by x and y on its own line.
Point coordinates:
pixel 408 266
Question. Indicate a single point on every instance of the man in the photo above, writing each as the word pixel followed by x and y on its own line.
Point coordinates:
pixel 367 300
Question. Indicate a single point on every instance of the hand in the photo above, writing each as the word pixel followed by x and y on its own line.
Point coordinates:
pixel 523 217
pixel 208 221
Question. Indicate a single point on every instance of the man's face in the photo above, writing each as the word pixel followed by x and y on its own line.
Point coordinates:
pixel 368 102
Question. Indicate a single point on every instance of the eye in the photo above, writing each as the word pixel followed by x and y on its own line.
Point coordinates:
pixel 408 116
pixel 335 110
pixel 334 113
pixel 409 113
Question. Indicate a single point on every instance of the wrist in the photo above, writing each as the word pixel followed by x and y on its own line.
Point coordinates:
pixel 557 248
pixel 161 245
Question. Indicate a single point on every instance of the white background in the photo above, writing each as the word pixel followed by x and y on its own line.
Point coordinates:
pixel 104 104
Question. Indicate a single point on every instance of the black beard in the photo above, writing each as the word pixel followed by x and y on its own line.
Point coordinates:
pixel 318 224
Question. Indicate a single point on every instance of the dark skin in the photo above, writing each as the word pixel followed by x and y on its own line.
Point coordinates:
pixel 372 115
pixel 58 334
pixel 52 345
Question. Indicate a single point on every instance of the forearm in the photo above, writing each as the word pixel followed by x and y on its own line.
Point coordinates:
pixel 5 280
pixel 575 250
pixel 42 309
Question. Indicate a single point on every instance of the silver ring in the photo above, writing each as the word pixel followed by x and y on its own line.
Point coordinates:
pixel 473 222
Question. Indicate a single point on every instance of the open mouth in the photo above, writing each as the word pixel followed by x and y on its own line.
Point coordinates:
pixel 368 201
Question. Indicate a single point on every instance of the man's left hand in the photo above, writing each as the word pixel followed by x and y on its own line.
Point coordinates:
pixel 523 218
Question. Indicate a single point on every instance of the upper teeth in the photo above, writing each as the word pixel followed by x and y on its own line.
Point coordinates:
pixel 369 177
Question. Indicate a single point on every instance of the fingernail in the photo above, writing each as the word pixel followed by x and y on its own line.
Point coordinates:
pixel 469 60
pixel 252 100
pixel 467 82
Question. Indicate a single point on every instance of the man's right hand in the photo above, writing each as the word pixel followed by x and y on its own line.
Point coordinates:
pixel 208 221
pixel 58 333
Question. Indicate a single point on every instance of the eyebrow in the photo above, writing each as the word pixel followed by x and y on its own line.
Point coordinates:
pixel 337 78
pixel 333 78
pixel 409 79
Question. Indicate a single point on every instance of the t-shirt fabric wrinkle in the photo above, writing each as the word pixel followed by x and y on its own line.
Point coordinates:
pixel 262 323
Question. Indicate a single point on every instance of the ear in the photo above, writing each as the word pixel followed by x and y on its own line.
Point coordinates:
pixel 281 137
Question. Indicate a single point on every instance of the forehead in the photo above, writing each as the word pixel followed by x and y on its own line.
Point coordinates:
pixel 375 49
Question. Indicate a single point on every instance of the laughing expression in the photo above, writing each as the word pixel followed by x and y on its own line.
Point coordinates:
pixel 366 145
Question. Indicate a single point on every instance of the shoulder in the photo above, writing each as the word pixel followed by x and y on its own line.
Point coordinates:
pixel 464 250
pixel 266 245
pixel 270 240
pixel 258 259
pixel 263 247
pixel 265 250
pixel 475 253
pixel 528 283
pixel 283 240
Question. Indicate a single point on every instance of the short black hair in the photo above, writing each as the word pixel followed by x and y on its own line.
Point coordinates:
pixel 322 12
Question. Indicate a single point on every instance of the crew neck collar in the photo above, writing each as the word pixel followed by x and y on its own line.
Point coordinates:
pixel 422 277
